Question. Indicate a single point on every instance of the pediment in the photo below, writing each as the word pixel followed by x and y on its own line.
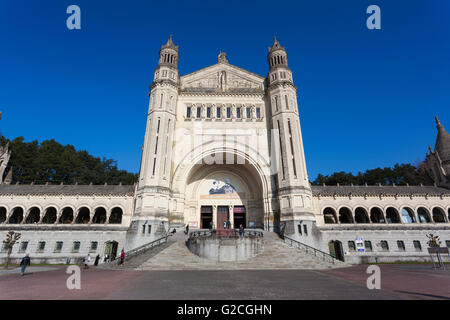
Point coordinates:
pixel 222 77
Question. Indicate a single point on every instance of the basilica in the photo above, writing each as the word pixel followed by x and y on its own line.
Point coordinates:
pixel 225 144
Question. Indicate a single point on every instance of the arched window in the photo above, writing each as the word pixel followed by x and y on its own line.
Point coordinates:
pixel 49 216
pixel 66 216
pixel 424 215
pixel 99 216
pixel 16 216
pixel 116 215
pixel 345 215
pixel 376 215
pixel 392 215
pixel 84 216
pixel 329 215
pixel 2 214
pixel 361 215
pixel 408 215
pixel 438 215
pixel 33 215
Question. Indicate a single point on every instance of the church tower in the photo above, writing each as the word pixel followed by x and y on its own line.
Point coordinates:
pixel 153 193
pixel 294 191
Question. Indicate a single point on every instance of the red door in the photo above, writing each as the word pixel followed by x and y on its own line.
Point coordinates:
pixel 222 216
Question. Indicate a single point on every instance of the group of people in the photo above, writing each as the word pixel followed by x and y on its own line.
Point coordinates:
pixel 87 259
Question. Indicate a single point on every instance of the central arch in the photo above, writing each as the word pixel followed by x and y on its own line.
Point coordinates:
pixel 249 204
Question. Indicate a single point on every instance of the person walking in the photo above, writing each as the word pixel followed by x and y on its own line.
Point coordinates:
pixel 97 258
pixel 187 229
pixel 87 260
pixel 122 257
pixel 228 224
pixel 211 225
pixel 26 261
pixel 241 230
pixel 224 224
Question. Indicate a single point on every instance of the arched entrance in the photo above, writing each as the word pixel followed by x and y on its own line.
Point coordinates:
pixel 229 188
pixel 336 250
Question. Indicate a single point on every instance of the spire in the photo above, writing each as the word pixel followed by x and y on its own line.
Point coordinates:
pixel 442 141
pixel 170 44
pixel 276 45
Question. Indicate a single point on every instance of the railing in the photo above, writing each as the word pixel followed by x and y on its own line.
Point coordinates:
pixel 141 249
pixel 310 250
pixel 225 233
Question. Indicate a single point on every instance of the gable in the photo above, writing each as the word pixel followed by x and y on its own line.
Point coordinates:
pixel 222 77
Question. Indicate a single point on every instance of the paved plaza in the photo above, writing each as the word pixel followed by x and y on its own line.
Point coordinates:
pixel 397 282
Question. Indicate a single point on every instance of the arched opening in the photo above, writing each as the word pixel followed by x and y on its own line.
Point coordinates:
pixel 438 215
pixel 361 215
pixel 34 215
pixel 50 215
pixel 392 215
pixel 99 216
pixel 345 215
pixel 2 214
pixel 116 215
pixel 231 185
pixel 376 215
pixel 336 250
pixel 329 215
pixel 84 216
pixel 66 216
pixel 16 216
pixel 424 215
pixel 408 215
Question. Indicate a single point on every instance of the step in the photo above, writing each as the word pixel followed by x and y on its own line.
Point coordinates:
pixel 276 255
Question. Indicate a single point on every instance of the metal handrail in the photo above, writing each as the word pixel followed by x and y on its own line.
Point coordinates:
pixel 307 248
pixel 141 249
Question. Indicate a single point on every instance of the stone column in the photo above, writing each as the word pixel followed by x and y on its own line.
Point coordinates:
pixel 232 216
pixel 215 217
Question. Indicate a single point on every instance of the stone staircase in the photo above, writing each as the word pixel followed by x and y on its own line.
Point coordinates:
pixel 174 255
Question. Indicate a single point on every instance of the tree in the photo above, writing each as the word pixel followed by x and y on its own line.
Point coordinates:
pixel 51 162
pixel 11 239
pixel 400 174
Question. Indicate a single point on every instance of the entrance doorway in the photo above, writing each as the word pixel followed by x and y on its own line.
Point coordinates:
pixel 239 216
pixel 336 250
pixel 111 249
pixel 206 217
pixel 222 216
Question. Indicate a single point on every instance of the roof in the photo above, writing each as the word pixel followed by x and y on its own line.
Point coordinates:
pixel 67 190
pixel 378 190
pixel 224 63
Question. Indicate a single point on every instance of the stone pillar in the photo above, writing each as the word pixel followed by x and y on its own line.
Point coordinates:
pixel 232 216
pixel 214 217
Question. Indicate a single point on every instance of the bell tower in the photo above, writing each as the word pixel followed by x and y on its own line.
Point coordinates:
pixel 152 192
pixel 294 191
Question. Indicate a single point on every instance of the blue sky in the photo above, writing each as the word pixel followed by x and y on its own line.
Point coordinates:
pixel 366 98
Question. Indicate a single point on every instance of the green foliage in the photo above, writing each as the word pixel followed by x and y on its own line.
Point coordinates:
pixel 54 163
pixel 400 174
